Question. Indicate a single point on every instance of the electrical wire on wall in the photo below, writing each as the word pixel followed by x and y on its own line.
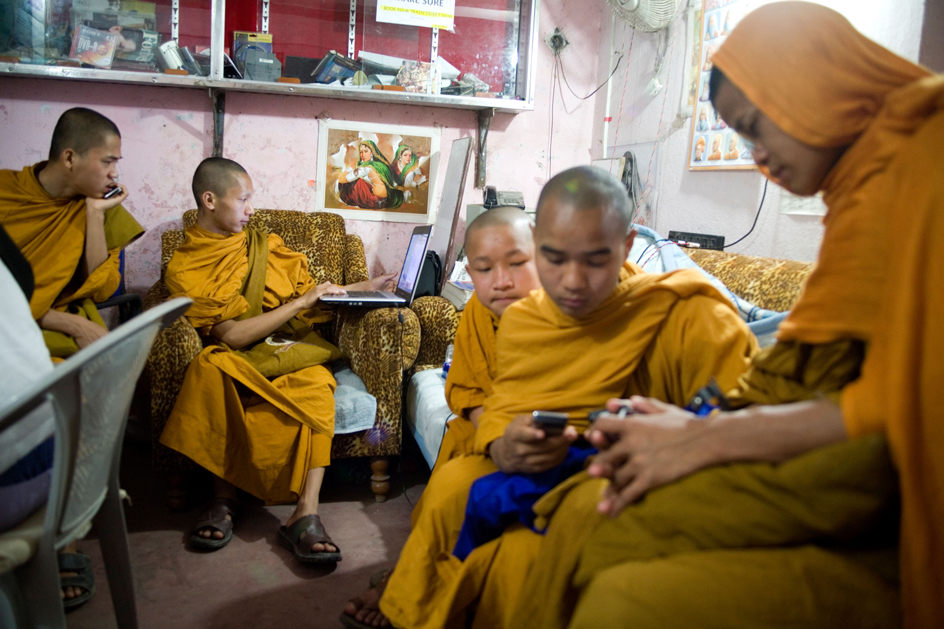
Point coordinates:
pixel 560 64
pixel 629 57
pixel 556 75
pixel 640 194
pixel 756 216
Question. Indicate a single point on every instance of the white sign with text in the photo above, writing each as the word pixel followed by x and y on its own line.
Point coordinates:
pixel 428 13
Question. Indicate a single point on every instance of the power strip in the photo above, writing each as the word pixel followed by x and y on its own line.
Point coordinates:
pixel 703 241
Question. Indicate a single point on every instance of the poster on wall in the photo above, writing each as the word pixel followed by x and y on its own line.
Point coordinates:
pixel 377 172
pixel 427 13
pixel 713 145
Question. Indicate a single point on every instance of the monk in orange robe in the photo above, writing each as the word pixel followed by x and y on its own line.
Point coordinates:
pixel 599 324
pixel 56 214
pixel 257 407
pixel 499 246
pixel 500 249
pixel 855 363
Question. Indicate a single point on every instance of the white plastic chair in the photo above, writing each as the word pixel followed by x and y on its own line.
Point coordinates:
pixel 90 395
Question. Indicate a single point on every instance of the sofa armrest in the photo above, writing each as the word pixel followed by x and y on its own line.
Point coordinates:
pixel 767 283
pixel 439 321
pixel 380 343
pixel 170 356
pixel 355 260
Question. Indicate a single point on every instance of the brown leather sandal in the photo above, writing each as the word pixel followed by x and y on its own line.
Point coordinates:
pixel 303 534
pixel 214 517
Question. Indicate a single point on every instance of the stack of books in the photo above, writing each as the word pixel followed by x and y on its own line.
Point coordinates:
pixel 458 293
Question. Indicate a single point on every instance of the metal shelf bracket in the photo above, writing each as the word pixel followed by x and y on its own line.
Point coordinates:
pixel 485 120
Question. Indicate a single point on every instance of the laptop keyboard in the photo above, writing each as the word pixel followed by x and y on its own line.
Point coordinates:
pixel 367 294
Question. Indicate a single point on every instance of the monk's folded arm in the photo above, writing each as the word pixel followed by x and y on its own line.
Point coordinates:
pixel 239 334
pixel 84 331
pixel 772 433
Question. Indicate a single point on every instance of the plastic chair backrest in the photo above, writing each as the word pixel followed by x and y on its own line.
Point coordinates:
pixel 91 395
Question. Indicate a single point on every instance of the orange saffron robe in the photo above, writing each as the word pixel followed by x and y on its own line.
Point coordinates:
pixel 261 435
pixel 468 384
pixel 470 377
pixel 659 335
pixel 51 235
pixel 884 203
pixel 879 255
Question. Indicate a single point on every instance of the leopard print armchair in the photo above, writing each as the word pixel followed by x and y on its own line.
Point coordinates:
pixel 766 282
pixel 380 343
pixel 439 321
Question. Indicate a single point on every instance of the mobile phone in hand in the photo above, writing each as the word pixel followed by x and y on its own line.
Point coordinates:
pixel 112 192
pixel 551 423
pixel 619 414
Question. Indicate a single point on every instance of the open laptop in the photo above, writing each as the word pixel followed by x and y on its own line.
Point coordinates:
pixel 406 284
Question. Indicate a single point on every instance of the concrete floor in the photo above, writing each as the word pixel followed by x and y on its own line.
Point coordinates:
pixel 252 582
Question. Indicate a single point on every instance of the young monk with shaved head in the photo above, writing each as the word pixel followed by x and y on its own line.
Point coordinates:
pixel 257 405
pixel 499 246
pixel 500 249
pixel 599 325
pixel 56 214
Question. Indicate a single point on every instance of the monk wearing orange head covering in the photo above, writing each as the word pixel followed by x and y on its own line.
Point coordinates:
pixel 599 325
pixel 784 513
pixel 56 214
pixel 256 408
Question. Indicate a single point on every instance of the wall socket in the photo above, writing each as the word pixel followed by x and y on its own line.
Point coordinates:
pixel 707 241
pixel 556 41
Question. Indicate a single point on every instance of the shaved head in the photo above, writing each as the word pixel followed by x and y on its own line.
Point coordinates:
pixel 80 129
pixel 582 238
pixel 499 245
pixel 216 175
pixel 584 188
pixel 506 216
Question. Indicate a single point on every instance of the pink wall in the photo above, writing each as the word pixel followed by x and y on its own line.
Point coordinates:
pixel 167 131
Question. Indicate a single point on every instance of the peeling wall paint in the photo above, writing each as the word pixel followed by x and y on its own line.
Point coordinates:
pixel 166 132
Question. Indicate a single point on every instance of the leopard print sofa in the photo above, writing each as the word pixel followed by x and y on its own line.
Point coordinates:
pixel 766 282
pixel 380 343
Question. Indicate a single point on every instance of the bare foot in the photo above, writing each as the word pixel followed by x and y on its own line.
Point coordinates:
pixel 366 607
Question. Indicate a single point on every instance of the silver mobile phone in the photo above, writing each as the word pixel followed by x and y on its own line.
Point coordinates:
pixel 112 192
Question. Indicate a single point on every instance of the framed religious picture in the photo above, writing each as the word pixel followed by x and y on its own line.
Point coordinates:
pixel 713 145
pixel 378 172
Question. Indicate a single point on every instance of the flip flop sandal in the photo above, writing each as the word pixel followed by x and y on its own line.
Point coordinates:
pixel 306 532
pixel 379 577
pixel 81 564
pixel 215 517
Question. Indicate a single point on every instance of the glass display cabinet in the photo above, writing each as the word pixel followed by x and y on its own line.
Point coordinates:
pixel 319 48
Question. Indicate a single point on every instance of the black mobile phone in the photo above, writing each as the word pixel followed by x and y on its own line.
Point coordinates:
pixel 550 422
pixel 112 192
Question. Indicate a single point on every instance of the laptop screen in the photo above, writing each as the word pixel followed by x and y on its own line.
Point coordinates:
pixel 411 265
